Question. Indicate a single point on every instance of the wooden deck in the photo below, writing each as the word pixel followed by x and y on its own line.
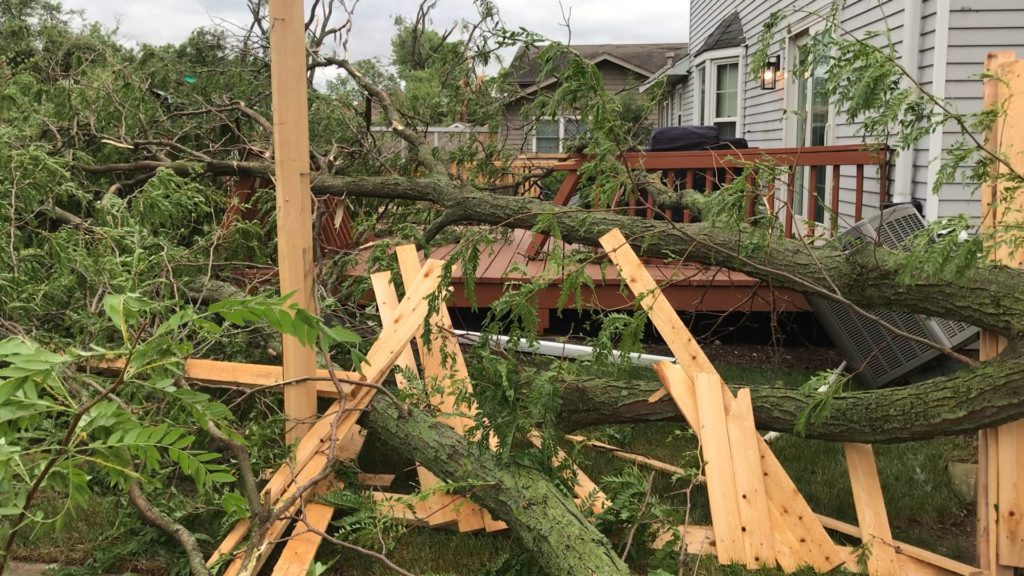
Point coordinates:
pixel 688 287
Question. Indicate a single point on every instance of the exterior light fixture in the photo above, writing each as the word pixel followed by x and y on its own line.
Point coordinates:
pixel 770 74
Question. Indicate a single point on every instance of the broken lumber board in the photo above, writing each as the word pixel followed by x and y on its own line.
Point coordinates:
pixel 378 362
pixel 350 441
pixel 440 356
pixel 752 500
pixel 400 507
pixel 587 492
pixel 301 548
pixel 816 549
pixel 375 480
pixel 697 539
pixel 787 547
pixel 902 548
pixel 678 339
pixel 376 365
pixel 241 375
pixel 718 468
pixel 387 303
pixel 870 505
pixel 444 365
pixel 628 456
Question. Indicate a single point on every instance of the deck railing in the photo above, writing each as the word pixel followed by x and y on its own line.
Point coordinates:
pixel 831 174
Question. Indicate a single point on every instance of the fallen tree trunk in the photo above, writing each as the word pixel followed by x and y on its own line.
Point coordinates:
pixel 981 397
pixel 987 296
pixel 543 518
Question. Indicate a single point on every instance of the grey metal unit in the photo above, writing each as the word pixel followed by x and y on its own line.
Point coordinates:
pixel 875 355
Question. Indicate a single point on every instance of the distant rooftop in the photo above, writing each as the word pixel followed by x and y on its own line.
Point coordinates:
pixel 646 57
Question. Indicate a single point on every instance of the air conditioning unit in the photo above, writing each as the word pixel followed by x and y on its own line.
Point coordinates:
pixel 875 355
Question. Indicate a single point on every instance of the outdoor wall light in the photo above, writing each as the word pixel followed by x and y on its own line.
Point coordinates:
pixel 770 74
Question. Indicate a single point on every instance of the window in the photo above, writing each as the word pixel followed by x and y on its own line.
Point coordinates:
pixel 554 135
pixel 717 92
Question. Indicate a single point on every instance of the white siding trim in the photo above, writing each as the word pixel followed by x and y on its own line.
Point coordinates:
pixel 931 211
pixel 903 174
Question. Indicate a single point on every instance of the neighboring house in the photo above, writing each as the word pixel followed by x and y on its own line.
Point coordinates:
pixel 624 67
pixel 943 42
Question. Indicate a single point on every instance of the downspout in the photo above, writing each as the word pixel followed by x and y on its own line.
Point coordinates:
pixel 935 139
pixel 903 175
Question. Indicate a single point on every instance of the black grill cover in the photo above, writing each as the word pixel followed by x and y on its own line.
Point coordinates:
pixel 683 138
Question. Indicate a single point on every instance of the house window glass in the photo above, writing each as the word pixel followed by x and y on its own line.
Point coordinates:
pixel 725 113
pixel 546 139
pixel 701 116
pixel 726 89
pixel 555 135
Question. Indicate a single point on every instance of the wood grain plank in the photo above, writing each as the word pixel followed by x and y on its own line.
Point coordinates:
pixel 871 514
pixel 304 541
pixel 752 500
pixel 718 468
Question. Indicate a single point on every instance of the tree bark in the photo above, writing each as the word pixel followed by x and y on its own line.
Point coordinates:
pixel 987 296
pixel 543 518
pixel 982 397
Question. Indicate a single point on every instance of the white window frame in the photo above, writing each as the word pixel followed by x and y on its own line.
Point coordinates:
pixel 561 133
pixel 708 61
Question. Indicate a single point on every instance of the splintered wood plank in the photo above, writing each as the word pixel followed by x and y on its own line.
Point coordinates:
pixel 680 387
pixel 815 547
pixel 794 515
pixel 587 492
pixel 941 563
pixel 679 340
pixel 752 500
pixel 718 468
pixel 433 508
pixel 871 514
pixel 301 548
pixel 377 364
pixel 441 355
pixel 1011 493
pixel 696 539
pixel 309 459
pixel 443 361
pixel 787 546
pixel 242 375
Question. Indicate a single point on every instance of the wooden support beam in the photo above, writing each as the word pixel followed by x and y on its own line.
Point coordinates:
pixel 294 200
pixel 871 515
pixel 1000 489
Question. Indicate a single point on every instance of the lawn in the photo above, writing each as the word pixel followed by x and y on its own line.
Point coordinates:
pixel 923 507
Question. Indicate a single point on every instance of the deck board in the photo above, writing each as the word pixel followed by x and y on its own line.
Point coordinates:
pixel 688 286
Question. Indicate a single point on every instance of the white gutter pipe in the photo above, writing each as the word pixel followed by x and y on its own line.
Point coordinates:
pixel 557 349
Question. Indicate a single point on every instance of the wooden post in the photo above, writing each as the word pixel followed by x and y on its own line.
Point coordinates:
pixel 294 201
pixel 1000 497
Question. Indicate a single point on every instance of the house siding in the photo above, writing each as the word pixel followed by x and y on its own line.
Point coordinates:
pixel 975 28
pixel 516 129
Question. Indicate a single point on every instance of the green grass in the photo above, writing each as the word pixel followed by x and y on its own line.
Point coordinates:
pixel 923 508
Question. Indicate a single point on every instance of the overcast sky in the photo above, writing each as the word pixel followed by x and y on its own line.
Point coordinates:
pixel 593 21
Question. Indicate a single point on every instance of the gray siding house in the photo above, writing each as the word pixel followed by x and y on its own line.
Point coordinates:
pixel 624 67
pixel 943 42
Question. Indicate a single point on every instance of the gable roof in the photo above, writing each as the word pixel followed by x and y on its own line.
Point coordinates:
pixel 728 34
pixel 644 59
